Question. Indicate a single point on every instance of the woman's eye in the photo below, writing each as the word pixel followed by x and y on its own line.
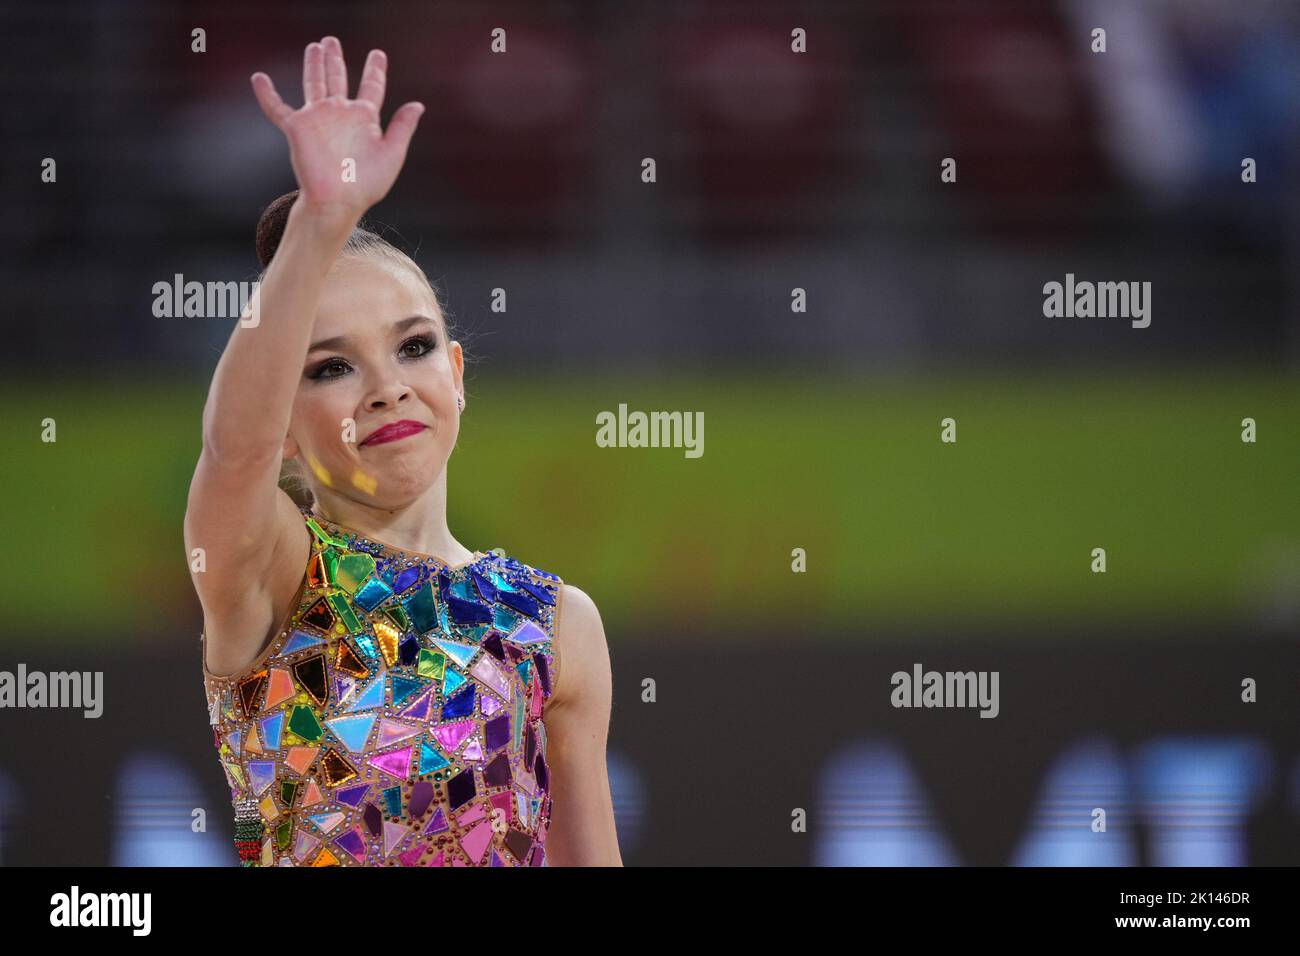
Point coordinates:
pixel 423 342
pixel 323 371
pixel 421 345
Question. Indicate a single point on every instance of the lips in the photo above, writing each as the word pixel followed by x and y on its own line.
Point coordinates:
pixel 393 431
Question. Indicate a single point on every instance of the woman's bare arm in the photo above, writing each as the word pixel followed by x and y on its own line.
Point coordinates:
pixel 236 512
pixel 251 398
pixel 577 731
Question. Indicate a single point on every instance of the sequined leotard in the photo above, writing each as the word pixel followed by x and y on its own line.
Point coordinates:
pixel 396 718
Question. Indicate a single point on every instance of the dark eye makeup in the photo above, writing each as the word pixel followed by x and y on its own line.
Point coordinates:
pixel 427 342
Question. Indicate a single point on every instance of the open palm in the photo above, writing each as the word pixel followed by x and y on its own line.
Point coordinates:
pixel 341 157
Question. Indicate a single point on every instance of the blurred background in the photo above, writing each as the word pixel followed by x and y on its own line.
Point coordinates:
pixel 775 171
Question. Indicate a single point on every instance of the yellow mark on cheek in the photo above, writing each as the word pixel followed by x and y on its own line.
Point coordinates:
pixel 322 475
pixel 364 481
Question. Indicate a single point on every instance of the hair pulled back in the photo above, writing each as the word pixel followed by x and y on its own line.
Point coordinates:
pixel 361 243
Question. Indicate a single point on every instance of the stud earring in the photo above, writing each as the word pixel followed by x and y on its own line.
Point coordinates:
pixel 460 402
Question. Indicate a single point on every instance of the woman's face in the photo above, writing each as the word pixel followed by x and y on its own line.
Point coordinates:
pixel 377 356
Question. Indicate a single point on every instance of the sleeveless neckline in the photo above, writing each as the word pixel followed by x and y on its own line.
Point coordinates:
pixel 388 546
pixel 396 708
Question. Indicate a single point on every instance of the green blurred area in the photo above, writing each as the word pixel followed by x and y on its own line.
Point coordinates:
pixel 901 531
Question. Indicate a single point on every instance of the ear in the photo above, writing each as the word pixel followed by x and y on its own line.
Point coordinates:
pixel 290 448
pixel 457 356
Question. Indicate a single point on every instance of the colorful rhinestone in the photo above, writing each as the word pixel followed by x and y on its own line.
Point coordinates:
pixel 397 718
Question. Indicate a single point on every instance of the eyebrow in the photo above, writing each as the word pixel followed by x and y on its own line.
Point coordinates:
pixel 343 341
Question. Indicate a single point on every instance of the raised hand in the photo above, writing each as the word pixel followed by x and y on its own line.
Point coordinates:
pixel 334 140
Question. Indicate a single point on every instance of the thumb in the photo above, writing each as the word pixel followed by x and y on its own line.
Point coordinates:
pixel 402 125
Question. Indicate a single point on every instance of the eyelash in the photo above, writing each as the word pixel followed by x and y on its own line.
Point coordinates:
pixel 427 340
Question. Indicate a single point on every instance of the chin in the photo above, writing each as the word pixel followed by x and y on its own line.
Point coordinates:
pixel 410 479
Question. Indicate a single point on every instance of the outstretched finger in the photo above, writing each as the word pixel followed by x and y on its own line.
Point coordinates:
pixel 274 107
pixel 402 126
pixel 374 79
pixel 336 71
pixel 313 73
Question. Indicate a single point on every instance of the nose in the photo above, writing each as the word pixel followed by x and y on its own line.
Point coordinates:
pixel 387 396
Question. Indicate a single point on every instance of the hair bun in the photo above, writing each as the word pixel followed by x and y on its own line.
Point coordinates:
pixel 270 226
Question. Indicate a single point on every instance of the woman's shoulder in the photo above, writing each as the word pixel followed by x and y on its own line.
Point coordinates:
pixel 581 613
pixel 576 633
pixel 573 608
pixel 579 640
pixel 526 588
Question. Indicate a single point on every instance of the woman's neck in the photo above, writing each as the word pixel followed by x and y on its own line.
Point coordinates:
pixel 420 526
